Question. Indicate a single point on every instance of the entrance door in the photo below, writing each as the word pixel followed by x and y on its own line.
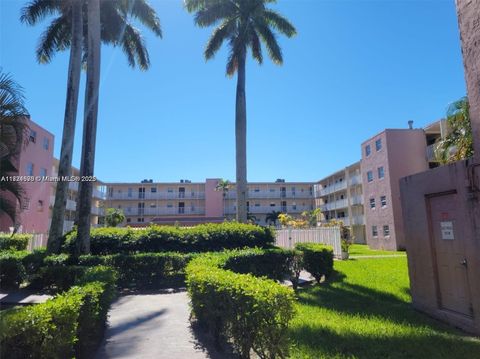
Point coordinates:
pixel 448 251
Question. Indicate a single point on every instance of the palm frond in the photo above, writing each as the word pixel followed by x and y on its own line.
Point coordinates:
pixel 143 12
pixel 270 41
pixel 215 13
pixel 256 46
pixel 279 23
pixel 219 35
pixel 55 38
pixel 134 41
pixel 37 10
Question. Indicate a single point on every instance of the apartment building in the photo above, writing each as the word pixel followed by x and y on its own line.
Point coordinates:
pixel 387 157
pixel 190 203
pixel 34 161
pixel 98 196
pixel 340 197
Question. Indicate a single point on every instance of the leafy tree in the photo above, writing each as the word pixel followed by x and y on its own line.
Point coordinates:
pixel 223 186
pixel 311 217
pixel 243 24
pixel 13 128
pixel 458 144
pixel 69 29
pixel 114 217
pixel 272 217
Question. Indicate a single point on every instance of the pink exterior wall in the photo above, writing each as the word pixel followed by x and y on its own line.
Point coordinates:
pixel 423 271
pixel 403 153
pixel 34 217
pixel 214 202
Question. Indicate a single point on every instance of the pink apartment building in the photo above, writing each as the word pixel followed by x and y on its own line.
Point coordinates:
pixel 35 159
pixel 387 157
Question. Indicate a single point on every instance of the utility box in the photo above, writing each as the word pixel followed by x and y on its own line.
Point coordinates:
pixel 442 237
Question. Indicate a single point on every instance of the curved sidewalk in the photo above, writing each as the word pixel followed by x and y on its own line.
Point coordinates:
pixel 152 326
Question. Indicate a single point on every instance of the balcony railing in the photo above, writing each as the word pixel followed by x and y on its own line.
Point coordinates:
pixel 330 189
pixel 269 209
pixel 275 194
pixel 163 211
pixel 353 221
pixel 357 200
pixel 135 196
pixel 355 180
pixel 342 203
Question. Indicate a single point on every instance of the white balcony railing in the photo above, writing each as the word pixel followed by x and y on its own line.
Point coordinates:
pixel 354 180
pixel 135 196
pixel 163 211
pixel 339 186
pixel 357 200
pixel 269 209
pixel 342 203
pixel 272 194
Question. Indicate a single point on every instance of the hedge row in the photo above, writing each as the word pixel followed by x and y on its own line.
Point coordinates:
pixel 69 325
pixel 17 242
pixel 317 259
pixel 16 266
pixel 252 313
pixel 201 238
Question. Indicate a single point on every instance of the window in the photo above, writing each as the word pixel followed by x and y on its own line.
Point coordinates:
pixel 33 136
pixel 378 144
pixel 342 196
pixel 170 190
pixel 40 206
pixel 140 220
pixel 372 203
pixel 129 220
pixel 369 176
pixel 43 172
pixel 272 189
pixel 294 206
pixel 26 203
pixel 29 169
pixel 386 231
pixel 153 189
pixel 110 192
pixel 383 201
pixel 46 143
pixel 272 204
pixel 129 192
pixel 169 205
pixel 257 204
pixel 256 190
pixel 374 231
pixel 153 205
pixel 381 172
pixel 368 150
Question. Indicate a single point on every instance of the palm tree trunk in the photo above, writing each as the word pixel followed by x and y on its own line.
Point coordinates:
pixel 66 152
pixel 89 128
pixel 241 140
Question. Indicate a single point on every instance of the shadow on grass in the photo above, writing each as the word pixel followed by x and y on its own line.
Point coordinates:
pixel 326 343
pixel 427 338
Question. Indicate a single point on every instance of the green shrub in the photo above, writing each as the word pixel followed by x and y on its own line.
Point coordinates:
pixel 34 260
pixel 253 313
pixel 317 259
pixel 201 238
pixel 12 269
pixel 56 278
pixel 18 242
pixel 45 330
pixel 145 270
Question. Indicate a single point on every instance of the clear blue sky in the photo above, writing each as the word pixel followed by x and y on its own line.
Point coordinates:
pixel 355 68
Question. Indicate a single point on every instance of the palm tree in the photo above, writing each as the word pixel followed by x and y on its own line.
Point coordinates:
pixel 13 128
pixel 243 24
pixel 223 186
pixel 272 217
pixel 458 144
pixel 69 29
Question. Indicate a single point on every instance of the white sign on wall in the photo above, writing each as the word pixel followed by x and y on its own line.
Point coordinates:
pixel 447 230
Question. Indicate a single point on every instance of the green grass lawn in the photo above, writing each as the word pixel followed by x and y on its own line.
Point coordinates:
pixel 363 250
pixel 365 312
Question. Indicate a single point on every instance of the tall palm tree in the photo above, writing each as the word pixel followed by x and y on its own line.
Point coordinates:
pixel 458 143
pixel 243 24
pixel 13 128
pixel 272 217
pixel 69 29
pixel 223 186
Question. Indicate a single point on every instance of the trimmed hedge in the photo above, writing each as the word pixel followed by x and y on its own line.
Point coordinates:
pixel 17 266
pixel 253 313
pixel 145 270
pixel 317 259
pixel 18 242
pixel 63 327
pixel 201 238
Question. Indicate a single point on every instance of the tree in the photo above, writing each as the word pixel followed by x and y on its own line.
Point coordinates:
pixel 69 29
pixel 13 128
pixel 243 24
pixel 311 217
pixel 223 186
pixel 458 143
pixel 272 217
pixel 114 217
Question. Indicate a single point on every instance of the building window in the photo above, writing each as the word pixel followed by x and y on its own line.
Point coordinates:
pixel 378 144
pixel 33 136
pixel 129 192
pixel 110 192
pixel 46 143
pixel 368 150
pixel 369 176
pixel 29 169
pixel 257 204
pixel 26 203
pixel 40 206
pixel 169 205
pixel 153 189
pixel 256 190
pixel 372 203
pixel 386 230
pixel 294 206
pixel 140 220
pixel 170 190
pixel 43 172
pixel 272 190
pixel 272 204
pixel 153 205
pixel 383 201
pixel 129 220
pixel 374 231
pixel 381 172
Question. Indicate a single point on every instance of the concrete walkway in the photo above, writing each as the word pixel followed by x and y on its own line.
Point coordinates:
pixel 152 326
